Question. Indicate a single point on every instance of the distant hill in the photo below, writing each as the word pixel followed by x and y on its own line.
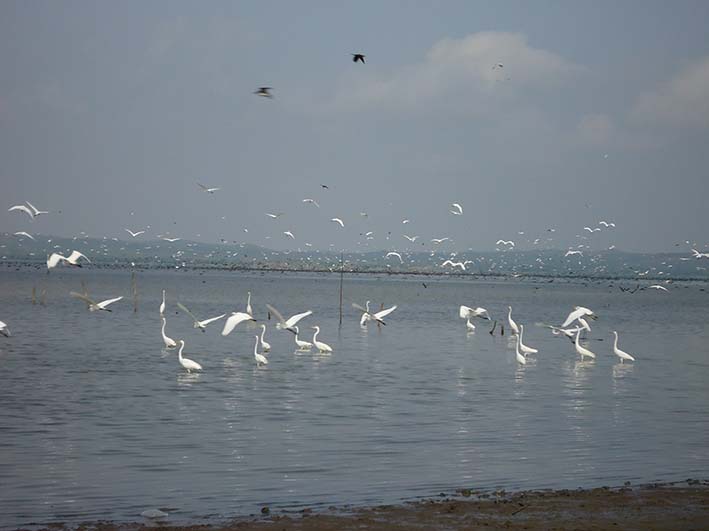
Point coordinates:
pixel 189 254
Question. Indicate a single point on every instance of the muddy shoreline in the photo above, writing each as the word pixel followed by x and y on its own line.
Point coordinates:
pixel 680 505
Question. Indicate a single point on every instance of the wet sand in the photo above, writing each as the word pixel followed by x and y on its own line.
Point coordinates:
pixel 680 506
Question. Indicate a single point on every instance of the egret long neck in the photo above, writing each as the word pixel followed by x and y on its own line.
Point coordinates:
pixel 263 331
pixel 256 346
pixel 179 352
pixel 315 335
pixel 615 340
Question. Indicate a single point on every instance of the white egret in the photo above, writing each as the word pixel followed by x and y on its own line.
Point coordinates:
pixel 582 351
pixel 520 359
pixel 571 253
pixel 412 239
pixel 378 316
pixel 187 363
pixel 578 311
pixel 171 240
pixel 466 312
pixel 658 287
pixel 4 330
pixel 201 324
pixel 302 345
pixel 451 263
pixel 93 305
pixel 699 255
pixel 469 326
pixel 235 319
pixel 438 241
pixel 134 234
pixel 260 358
pixel 72 259
pixel 339 221
pixel 289 234
pixel 162 304
pixel 22 208
pixel 35 211
pixel 322 347
pixel 207 188
pixel 621 354
pixel 287 324
pixel 169 342
pixel 457 209
pixel 392 253
pixel 524 348
pixel 249 309
pixel 311 201
pixel 25 234
pixel 265 346
pixel 505 242
pixel 510 321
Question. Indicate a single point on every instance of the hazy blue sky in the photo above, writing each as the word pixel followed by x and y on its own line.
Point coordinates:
pixel 601 111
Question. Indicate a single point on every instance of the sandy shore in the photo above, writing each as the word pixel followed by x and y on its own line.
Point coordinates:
pixel 680 506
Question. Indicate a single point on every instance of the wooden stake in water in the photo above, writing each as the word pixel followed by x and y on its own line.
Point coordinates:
pixel 134 290
pixel 342 274
pixel 34 294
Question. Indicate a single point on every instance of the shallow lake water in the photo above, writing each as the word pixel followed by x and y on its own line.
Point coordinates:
pixel 97 421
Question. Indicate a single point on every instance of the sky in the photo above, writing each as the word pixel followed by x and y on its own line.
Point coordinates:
pixel 111 112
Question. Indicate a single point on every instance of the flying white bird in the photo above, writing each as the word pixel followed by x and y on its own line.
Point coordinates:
pixel 274 216
pixel 378 316
pixel 658 287
pixel 187 363
pixel 582 350
pixel 22 208
pixel 453 264
pixel 35 211
pixel 392 253
pixel 311 201
pixel 171 240
pixel 524 348
pixel 412 239
pixel 505 242
pixel 289 234
pixel 466 312
pixel 93 305
pixel 208 189
pixel 287 324
pixel 4 330
pixel 698 255
pixel 457 209
pixel 197 323
pixel 302 345
pixel 169 342
pixel 25 234
pixel 235 319
pixel 621 354
pixel 322 347
pixel 571 253
pixel 338 220
pixel 578 311
pixel 405 221
pixel 72 259
pixel 606 224
pixel 510 321
pixel 439 240
pixel 134 234
pixel 260 358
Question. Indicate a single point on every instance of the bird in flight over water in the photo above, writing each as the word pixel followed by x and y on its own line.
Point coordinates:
pixel 264 91
pixel 358 57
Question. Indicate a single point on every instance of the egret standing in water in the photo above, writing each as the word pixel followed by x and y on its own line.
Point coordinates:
pixel 520 359
pixel 582 350
pixel 187 363
pixel 322 347
pixel 524 348
pixel 162 304
pixel 260 358
pixel 265 347
pixel 621 354
pixel 169 342
pixel 302 345
pixel 4 330
pixel 510 321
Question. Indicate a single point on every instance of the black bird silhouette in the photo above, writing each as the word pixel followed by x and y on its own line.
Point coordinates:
pixel 358 57
pixel 325 186
pixel 264 91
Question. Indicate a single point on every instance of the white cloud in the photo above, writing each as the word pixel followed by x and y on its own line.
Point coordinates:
pixel 683 101
pixel 460 72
